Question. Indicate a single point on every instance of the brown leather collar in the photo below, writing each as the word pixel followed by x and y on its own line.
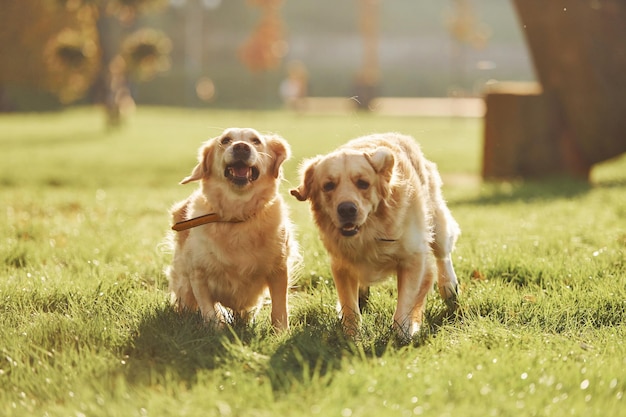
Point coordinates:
pixel 196 221
pixel 209 218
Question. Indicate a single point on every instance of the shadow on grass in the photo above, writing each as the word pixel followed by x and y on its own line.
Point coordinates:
pixel 494 193
pixel 167 345
pixel 171 345
pixel 314 347
pixel 319 346
pixel 437 316
pixel 168 342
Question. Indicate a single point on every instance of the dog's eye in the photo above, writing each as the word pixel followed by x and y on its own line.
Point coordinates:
pixel 226 140
pixel 256 141
pixel 329 186
pixel 362 184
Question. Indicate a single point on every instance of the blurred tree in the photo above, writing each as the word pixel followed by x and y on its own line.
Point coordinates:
pixel 142 53
pixel 266 46
pixel 71 47
pixel 465 27
pixel 575 117
pixel 368 78
pixel 46 48
pixel 466 30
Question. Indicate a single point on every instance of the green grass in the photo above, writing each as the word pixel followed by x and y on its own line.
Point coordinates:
pixel 85 328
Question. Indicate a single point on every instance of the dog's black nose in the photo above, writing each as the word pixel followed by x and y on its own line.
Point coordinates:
pixel 347 210
pixel 241 151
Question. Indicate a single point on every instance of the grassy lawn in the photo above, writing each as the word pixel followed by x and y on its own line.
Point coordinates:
pixel 86 330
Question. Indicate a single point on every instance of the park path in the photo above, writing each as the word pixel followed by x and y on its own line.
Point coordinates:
pixel 400 106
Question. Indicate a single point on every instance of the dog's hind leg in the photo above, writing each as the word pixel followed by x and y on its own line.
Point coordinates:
pixel 446 231
pixel 364 296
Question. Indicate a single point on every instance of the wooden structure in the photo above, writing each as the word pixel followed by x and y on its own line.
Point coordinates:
pixel 577 116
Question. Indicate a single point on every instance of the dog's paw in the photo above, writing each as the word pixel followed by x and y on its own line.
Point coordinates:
pixel 450 295
pixel 351 325
pixel 406 332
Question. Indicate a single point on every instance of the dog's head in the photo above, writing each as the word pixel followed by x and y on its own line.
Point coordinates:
pixel 346 186
pixel 240 157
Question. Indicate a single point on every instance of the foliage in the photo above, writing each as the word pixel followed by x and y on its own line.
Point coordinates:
pixel 85 328
pixel 146 53
pixel 125 10
pixel 73 61
pixel 465 27
pixel 71 46
pixel 266 46
pixel 57 53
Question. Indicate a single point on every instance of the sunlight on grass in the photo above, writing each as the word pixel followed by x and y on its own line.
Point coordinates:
pixel 86 328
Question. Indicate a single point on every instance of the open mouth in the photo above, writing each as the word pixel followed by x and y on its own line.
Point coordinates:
pixel 241 174
pixel 349 229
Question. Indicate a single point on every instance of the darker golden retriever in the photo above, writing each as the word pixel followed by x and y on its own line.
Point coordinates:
pixel 378 205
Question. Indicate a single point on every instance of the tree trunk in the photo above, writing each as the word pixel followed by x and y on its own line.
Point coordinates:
pixel 579 53
pixel 105 88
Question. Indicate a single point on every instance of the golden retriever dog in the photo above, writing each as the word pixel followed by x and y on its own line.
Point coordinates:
pixel 226 266
pixel 378 205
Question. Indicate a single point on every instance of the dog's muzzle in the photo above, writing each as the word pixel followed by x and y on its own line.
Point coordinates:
pixel 347 212
pixel 241 171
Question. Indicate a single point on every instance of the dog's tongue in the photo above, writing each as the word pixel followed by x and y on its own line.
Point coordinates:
pixel 240 170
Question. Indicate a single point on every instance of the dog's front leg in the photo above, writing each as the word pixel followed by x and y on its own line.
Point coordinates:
pixel 181 293
pixel 414 283
pixel 347 285
pixel 278 286
pixel 205 300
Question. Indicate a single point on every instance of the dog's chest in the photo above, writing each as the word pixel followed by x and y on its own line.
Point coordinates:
pixel 377 258
pixel 378 255
pixel 234 251
pixel 236 264
pixel 237 246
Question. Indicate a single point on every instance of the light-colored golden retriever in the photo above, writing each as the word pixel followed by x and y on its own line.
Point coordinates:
pixel 225 267
pixel 378 205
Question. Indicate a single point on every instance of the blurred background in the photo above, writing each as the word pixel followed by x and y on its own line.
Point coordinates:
pixel 546 76
pixel 241 53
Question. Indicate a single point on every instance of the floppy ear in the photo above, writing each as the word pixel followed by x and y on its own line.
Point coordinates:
pixel 281 151
pixel 382 161
pixel 303 190
pixel 205 159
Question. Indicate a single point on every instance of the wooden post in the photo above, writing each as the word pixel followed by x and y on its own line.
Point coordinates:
pixel 526 135
pixel 579 116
